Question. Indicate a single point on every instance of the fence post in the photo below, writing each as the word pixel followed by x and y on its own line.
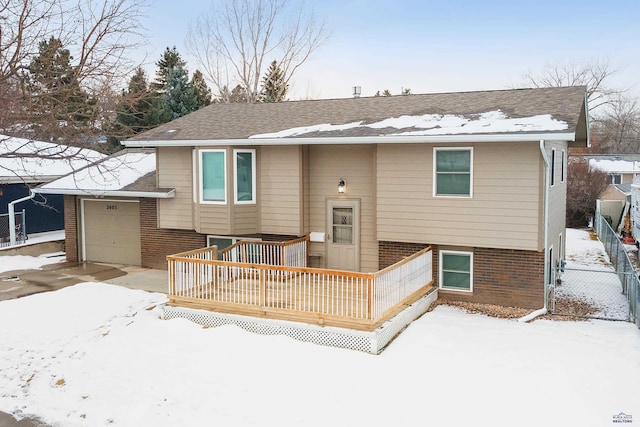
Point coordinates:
pixel 263 287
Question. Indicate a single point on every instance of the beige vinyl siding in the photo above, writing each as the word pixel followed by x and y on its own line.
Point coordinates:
pixel 503 212
pixel 280 183
pixel 356 164
pixel 175 171
pixel 214 218
pixel 306 200
pixel 245 219
pixel 557 200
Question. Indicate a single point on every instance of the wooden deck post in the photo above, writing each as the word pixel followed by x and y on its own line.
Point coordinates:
pixel 370 282
pixel 263 288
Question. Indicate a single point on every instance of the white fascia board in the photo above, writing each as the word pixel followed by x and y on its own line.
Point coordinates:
pixel 109 193
pixel 395 139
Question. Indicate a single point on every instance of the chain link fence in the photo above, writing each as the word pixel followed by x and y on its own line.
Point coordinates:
pixel 5 235
pixel 624 268
pixel 599 294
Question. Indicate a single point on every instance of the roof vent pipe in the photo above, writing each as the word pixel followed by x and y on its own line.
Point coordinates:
pixel 357 90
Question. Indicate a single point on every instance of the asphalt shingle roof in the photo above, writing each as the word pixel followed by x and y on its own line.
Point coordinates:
pixel 240 121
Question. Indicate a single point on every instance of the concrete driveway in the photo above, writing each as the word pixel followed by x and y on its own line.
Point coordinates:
pixel 19 283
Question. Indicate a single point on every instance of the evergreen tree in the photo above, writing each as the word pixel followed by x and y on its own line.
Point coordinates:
pixel 274 87
pixel 58 105
pixel 386 92
pixel 202 91
pixel 238 94
pixel 169 60
pixel 138 108
pixel 179 97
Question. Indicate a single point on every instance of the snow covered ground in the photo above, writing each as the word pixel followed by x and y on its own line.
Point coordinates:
pixel 98 355
pixel 591 279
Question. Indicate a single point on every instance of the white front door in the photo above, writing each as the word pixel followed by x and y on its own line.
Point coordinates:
pixel 343 235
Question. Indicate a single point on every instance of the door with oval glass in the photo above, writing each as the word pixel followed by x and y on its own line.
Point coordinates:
pixel 343 234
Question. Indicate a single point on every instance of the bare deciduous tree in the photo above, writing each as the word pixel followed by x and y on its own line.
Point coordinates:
pixel 98 34
pixel 595 75
pixel 584 186
pixel 618 129
pixel 236 41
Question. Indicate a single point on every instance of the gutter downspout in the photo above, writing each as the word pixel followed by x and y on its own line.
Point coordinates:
pixel 12 216
pixel 544 309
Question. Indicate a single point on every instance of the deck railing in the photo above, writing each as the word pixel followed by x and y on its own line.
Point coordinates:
pixel 314 295
pixel 292 253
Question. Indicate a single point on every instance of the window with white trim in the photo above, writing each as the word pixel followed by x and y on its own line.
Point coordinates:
pixel 553 166
pixel 244 172
pixel 563 166
pixel 455 271
pixel 213 176
pixel 452 172
pixel 223 242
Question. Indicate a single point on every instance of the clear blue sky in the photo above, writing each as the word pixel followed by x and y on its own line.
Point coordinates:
pixel 436 46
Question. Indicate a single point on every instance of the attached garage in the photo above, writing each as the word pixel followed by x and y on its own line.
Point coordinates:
pixel 102 222
pixel 111 231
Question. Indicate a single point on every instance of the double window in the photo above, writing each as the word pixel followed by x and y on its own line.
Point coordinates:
pixel 453 172
pixel 456 271
pixel 213 176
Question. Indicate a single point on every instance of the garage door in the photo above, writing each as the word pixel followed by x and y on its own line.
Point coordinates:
pixel 111 231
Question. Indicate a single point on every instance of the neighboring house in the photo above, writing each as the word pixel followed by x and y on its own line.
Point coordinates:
pixel 634 210
pixel 615 201
pixel 480 177
pixel 24 164
pixel 620 169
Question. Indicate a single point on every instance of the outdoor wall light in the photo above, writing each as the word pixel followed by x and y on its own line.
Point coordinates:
pixel 342 185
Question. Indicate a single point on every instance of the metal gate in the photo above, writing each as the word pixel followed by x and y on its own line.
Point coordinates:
pixel 596 294
pixel 5 235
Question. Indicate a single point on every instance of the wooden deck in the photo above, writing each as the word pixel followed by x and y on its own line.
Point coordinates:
pixel 353 300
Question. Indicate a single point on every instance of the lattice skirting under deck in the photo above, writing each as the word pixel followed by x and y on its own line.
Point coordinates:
pixel 370 342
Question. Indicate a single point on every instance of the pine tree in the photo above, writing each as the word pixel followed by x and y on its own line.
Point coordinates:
pixel 238 94
pixel 274 88
pixel 179 97
pixel 58 105
pixel 169 60
pixel 202 91
pixel 138 108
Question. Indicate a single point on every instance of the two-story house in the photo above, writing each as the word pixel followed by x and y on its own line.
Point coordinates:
pixel 478 176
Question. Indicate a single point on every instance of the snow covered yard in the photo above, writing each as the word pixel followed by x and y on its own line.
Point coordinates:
pixel 98 355
pixel 589 284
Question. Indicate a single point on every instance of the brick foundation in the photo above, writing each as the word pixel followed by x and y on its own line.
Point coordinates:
pixel 506 277
pixel 71 228
pixel 391 252
pixel 157 243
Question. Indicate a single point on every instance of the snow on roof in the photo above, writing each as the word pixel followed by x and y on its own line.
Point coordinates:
pixel 619 166
pixel 112 174
pixel 438 124
pixel 27 160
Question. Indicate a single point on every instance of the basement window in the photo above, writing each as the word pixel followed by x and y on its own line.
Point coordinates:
pixel 456 271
